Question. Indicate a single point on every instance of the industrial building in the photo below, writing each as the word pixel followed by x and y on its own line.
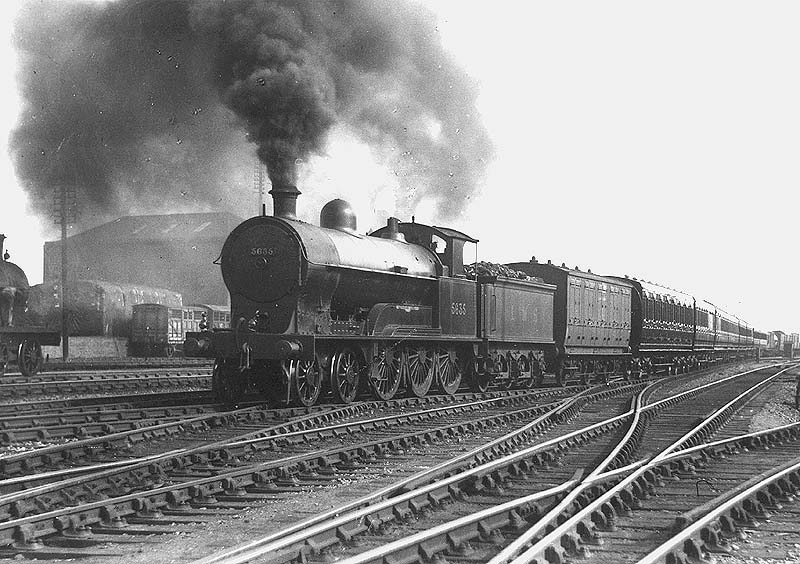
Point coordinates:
pixel 175 252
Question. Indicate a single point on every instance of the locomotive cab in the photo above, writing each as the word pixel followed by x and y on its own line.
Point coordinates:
pixel 451 255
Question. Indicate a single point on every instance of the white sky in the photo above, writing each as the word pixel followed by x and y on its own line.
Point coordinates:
pixel 658 140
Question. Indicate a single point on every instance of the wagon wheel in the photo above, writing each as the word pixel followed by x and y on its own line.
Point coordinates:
pixel 479 377
pixel 306 381
pixel 345 372
pixel 419 370
pixel 627 371
pixel 647 368
pixel 30 357
pixel 3 359
pixel 384 373
pixel 448 370
pixel 169 350
pixel 607 368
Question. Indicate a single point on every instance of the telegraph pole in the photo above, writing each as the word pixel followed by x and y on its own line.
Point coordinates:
pixel 64 212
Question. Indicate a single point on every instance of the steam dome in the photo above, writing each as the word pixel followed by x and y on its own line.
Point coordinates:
pixel 337 214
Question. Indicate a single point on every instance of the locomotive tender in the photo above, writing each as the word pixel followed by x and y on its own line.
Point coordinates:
pixel 316 307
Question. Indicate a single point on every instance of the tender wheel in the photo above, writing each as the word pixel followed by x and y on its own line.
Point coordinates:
pixel 384 373
pixel 525 367
pixel 345 372
pixel 306 381
pixel 507 366
pixel 448 370
pixel 30 357
pixel 169 350
pixel 479 377
pixel 3 359
pixel 419 370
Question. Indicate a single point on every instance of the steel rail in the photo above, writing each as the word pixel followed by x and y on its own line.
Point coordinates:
pixel 27 529
pixel 446 532
pixel 420 486
pixel 21 389
pixel 300 532
pixel 698 535
pixel 23 463
pixel 263 471
pixel 542 548
pixel 100 375
pixel 105 403
pixel 570 498
pixel 281 541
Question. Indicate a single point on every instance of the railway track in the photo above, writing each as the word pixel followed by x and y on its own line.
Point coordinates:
pixel 83 422
pixel 246 470
pixel 432 461
pixel 515 508
pixel 95 382
pixel 122 363
pixel 101 403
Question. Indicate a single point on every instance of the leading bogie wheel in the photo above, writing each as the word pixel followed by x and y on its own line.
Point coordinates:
pixel 345 372
pixel 419 370
pixel 448 370
pixel 224 383
pixel 30 357
pixel 306 381
pixel 384 373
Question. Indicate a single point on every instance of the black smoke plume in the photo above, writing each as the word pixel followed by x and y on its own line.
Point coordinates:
pixel 146 105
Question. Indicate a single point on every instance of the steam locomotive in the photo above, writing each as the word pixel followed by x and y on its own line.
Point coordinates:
pixel 18 340
pixel 324 308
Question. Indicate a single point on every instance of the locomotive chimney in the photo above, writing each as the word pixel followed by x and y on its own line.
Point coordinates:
pixel 2 243
pixel 284 200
